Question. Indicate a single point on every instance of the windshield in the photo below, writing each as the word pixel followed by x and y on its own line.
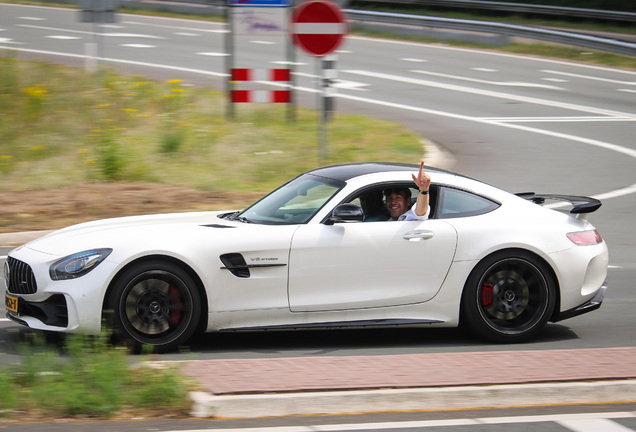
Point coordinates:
pixel 293 203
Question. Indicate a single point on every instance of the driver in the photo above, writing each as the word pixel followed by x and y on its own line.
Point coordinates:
pixel 398 200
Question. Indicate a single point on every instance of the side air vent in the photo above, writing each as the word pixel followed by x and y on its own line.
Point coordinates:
pixel 218 226
pixel 235 263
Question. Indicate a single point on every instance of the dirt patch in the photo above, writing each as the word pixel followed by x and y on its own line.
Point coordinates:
pixel 49 209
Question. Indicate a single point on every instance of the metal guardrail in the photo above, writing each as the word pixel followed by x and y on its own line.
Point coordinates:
pixel 419 21
pixel 519 7
pixel 548 35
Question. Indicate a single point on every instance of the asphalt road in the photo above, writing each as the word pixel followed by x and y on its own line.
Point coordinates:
pixel 520 123
pixel 605 418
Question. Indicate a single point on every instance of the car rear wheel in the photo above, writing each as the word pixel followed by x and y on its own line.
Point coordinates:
pixel 155 303
pixel 509 297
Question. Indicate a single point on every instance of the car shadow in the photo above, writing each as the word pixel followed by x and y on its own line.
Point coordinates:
pixel 360 341
pixel 15 340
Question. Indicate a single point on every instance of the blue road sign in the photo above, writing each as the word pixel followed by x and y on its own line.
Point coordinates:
pixel 259 3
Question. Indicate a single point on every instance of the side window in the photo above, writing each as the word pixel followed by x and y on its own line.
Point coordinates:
pixel 373 205
pixel 373 200
pixel 454 203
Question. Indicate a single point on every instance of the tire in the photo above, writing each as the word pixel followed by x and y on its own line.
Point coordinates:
pixel 509 297
pixel 155 303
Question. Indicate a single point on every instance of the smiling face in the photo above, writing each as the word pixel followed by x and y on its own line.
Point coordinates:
pixel 397 202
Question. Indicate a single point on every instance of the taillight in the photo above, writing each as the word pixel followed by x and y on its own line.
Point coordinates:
pixel 585 238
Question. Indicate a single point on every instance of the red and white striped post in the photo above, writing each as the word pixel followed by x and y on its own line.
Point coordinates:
pixel 261 96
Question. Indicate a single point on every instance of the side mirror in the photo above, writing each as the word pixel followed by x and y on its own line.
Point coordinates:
pixel 346 213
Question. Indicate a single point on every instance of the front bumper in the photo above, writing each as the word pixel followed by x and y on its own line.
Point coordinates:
pixel 586 307
pixel 50 312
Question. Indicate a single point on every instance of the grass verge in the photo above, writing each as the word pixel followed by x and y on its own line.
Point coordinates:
pixel 63 126
pixel 87 378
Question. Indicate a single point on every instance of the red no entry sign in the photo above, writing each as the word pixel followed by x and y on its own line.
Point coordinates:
pixel 318 27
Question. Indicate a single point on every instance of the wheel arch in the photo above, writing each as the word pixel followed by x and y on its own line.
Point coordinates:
pixel 168 259
pixel 508 252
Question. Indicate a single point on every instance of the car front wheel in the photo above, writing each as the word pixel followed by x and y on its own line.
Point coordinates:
pixel 155 303
pixel 508 297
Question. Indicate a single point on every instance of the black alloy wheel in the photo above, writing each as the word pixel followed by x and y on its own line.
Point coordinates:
pixel 509 297
pixel 156 304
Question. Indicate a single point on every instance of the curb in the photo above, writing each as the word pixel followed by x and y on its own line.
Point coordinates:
pixel 417 399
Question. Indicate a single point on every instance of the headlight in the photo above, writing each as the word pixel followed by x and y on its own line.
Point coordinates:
pixel 76 265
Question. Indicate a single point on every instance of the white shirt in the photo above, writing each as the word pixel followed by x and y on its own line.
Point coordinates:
pixel 410 215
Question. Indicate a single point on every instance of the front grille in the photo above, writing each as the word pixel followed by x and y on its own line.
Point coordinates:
pixel 21 278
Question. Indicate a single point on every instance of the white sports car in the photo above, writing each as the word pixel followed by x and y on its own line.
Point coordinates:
pixel 307 256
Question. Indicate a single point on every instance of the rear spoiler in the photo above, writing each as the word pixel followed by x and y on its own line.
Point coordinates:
pixel 580 204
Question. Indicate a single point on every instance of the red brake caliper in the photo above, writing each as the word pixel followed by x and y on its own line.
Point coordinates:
pixel 486 295
pixel 175 305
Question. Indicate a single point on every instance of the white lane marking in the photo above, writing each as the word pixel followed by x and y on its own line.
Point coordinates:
pixel 56 29
pixel 558 417
pixel 556 119
pixel 130 62
pixel 203 30
pixel 186 34
pixel 558 80
pixel 617 193
pixel 287 62
pixel 132 35
pixel 32 18
pixel 63 37
pixel 349 85
pixel 588 77
pixel 593 425
pixel 213 54
pixel 592 142
pixel 483 53
pixel 338 83
pixel 261 42
pixel 482 69
pixel 138 46
pixel 490 93
pixel 497 83
pixel 602 419
pixel 604 196
pixel 627 90
pixel 414 60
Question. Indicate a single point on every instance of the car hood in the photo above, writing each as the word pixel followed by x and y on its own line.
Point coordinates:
pixel 114 232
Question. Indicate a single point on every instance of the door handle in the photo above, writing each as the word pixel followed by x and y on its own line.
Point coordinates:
pixel 417 235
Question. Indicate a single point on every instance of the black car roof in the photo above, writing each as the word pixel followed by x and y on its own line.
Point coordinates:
pixel 344 172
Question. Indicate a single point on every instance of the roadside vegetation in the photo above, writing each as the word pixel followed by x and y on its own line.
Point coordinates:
pixel 62 126
pixel 87 378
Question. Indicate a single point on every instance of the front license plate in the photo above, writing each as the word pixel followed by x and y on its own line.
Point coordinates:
pixel 11 302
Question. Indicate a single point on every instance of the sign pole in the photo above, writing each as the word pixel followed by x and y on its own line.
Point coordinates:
pixel 318 27
pixel 323 130
pixel 291 60
pixel 229 62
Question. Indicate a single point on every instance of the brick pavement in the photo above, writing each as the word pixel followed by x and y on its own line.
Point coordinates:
pixel 301 374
